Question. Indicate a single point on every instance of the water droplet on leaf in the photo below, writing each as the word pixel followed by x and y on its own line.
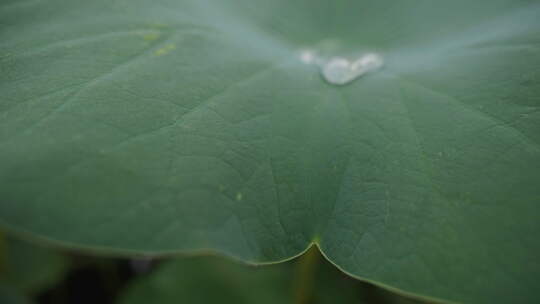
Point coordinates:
pixel 340 71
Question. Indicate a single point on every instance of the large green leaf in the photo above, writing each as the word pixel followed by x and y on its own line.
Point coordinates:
pixel 190 125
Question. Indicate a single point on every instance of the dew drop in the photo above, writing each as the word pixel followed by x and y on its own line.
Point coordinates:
pixel 341 71
pixel 338 71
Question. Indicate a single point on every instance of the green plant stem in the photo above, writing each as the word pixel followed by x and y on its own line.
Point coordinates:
pixel 305 276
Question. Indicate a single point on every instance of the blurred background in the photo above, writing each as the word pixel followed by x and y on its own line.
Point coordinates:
pixel 36 273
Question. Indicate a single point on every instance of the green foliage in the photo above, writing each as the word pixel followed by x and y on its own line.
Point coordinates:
pixel 31 268
pixel 27 270
pixel 211 280
pixel 10 296
pixel 172 126
pixel 217 280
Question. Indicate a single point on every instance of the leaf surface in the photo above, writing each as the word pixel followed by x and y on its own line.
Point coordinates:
pixel 183 126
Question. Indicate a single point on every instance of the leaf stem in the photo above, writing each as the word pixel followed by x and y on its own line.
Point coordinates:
pixel 306 270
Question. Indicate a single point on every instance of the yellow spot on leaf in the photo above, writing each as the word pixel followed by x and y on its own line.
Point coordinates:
pixel 158 25
pixel 165 50
pixel 151 36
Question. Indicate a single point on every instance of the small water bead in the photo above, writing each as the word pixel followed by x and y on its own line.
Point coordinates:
pixel 341 71
pixel 312 57
pixel 308 56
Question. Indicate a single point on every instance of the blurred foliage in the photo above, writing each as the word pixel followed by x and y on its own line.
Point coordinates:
pixel 26 270
pixel 309 279
pixel 35 274
pixel 211 280
pixel 30 268
pixel 8 295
